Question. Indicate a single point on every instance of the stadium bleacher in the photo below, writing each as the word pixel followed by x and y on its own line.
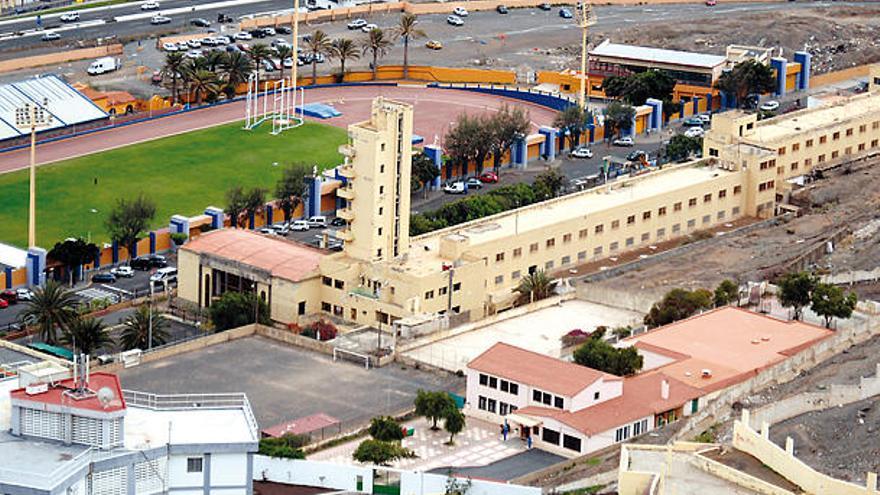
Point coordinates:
pixel 67 105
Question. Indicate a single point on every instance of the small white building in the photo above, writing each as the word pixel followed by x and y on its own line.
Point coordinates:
pixel 87 436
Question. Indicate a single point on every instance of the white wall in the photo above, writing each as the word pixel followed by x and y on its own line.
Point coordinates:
pixel 608 389
pixel 474 390
pixel 418 483
pixel 177 475
pixel 228 470
pixel 312 473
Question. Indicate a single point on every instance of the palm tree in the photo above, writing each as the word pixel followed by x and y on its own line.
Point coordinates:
pixel 259 52
pixel 236 68
pixel 174 63
pixel 406 29
pixel 52 308
pixel 378 45
pixel 536 286
pixel 86 335
pixel 344 49
pixel 284 52
pixel 319 44
pixel 204 82
pixel 136 330
pixel 214 59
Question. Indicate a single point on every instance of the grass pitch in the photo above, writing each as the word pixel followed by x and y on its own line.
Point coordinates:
pixel 183 174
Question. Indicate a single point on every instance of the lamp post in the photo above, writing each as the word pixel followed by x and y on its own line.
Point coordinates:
pixel 150 325
pixel 30 117
pixel 294 54
pixel 585 17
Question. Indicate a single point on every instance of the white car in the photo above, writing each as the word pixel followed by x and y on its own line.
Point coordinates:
pixel 269 31
pixel 281 228
pixel 243 36
pixel 194 43
pixel 454 188
pixel 160 19
pixel 695 132
pixel 299 225
pixel 769 106
pixel 369 27
pixel 182 46
pixel 70 17
pixel 223 40
pixel 460 11
pixel 706 118
pixel 150 6
pixel 123 271
pixel 582 152
pixel 357 24
pixel 208 41
pixel 455 20
pixel 194 54
pixel 24 294
pixel 268 231
pixel 169 47
pixel 624 141
pixel 50 36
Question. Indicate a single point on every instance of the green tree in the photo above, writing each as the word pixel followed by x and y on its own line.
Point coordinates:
pixel 51 309
pixel 679 304
pixel 254 201
pixel 508 124
pixel 284 447
pixel 380 453
pixel 214 60
pixel 534 287
pixel 406 29
pixel 829 301
pixel 461 142
pixel 747 78
pixel 726 293
pixel 204 83
pixel 283 52
pixel 680 147
pixel 258 53
pixel 571 122
pixel 456 487
pixel 86 335
pixel 453 423
pixel 319 44
pixel 598 354
pixel 235 69
pixel 291 188
pixel 235 309
pixel 549 183
pixel 343 49
pixel 172 70
pixel 377 45
pixel 136 329
pixel 637 88
pixel 235 204
pixel 433 405
pixel 129 219
pixel 73 253
pixel 795 291
pixel 386 429
pixel 618 117
pixel 424 171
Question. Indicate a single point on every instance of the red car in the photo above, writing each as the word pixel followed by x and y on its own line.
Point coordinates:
pixel 489 177
pixel 3 304
pixel 9 297
pixel 710 3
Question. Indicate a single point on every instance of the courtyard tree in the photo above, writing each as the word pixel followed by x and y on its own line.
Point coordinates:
pixel 73 253
pixel 678 304
pixel 380 453
pixel 726 293
pixel 508 124
pixel 406 29
pixel 343 49
pixel 235 309
pixel 571 122
pixel 424 171
pixel 136 329
pixel 319 45
pixel 86 335
pixel 598 354
pixel 283 52
pixel 460 142
pixel 377 45
pixel 747 78
pixel 386 429
pixel 129 220
pixel 291 188
pixel 51 309
pixel 830 301
pixel 204 83
pixel 453 423
pixel 434 406
pixel 534 287
pixel 618 118
pixel 795 291
pixel 254 201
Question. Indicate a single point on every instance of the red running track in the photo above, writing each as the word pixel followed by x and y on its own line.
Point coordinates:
pixel 435 109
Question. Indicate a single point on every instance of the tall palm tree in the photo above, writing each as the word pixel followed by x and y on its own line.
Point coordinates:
pixel 86 335
pixel 284 52
pixel 172 69
pixel 52 308
pixel 534 287
pixel 378 45
pixel 259 52
pixel 344 49
pixel 236 68
pixel 406 29
pixel 204 82
pixel 319 44
pixel 214 59
pixel 136 329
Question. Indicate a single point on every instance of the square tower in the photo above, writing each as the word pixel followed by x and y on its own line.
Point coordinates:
pixel 377 171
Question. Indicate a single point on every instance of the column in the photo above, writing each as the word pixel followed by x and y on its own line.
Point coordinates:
pixel 8 271
pixel 98 259
pixel 548 147
pixel 709 102
pixel 216 215
pixel 179 224
pixel 803 79
pixel 270 218
pixel 252 220
pixel 36 266
pixel 115 249
pixel 696 101
pixel 520 152
pixel 435 154
pixel 152 243
pixel 656 113
pixel 779 64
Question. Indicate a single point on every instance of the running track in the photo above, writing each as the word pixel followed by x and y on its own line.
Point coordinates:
pixel 435 109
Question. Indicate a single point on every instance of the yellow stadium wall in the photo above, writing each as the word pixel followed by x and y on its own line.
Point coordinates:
pixel 55 58
pixel 19 277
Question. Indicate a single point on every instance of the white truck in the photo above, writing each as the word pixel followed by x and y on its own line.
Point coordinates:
pixel 103 65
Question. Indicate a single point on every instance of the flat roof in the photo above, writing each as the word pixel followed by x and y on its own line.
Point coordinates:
pixel 792 125
pixel 657 55
pixel 147 428
pixel 57 394
pixel 284 259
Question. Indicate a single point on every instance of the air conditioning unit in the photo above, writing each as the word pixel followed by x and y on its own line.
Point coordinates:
pixel 36 389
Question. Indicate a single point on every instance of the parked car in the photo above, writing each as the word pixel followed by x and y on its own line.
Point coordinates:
pixel 693 122
pixel 357 24
pixel 24 294
pixel 169 47
pixel 223 18
pixel 194 54
pixel 369 27
pixel 69 17
pixel 102 66
pixel 284 30
pixel 281 228
pixel 257 33
pixel 200 22
pixel 434 45
pixel 769 106
pixel 694 132
pixel 194 43
pixel 474 182
pixel 582 152
pixel 164 275
pixel 545 6
pixel 454 188
pixel 269 31
pixel 50 36
pixel 705 118
pixel 565 13
pixel 123 271
pixel 104 278
pixel 318 221
pixel 150 5
pixel 501 9
pixel 460 11
pixel 454 20
pixel 268 231
pixel 243 36
pixel 157 261
pixel 710 3
pixel 10 296
pixel 160 19
pixel 623 141
pixel 338 222
pixel 157 78
pixel 3 304
pixel 140 263
pixel 636 155
pixel 299 225
pixel 489 177
pixel 222 40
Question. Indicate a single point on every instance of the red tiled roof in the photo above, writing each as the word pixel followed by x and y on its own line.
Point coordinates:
pixel 56 395
pixel 284 259
pixel 536 370
pixel 301 425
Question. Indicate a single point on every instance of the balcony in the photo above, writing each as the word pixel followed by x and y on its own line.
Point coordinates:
pixel 345 193
pixel 347 171
pixel 346 214
pixel 347 150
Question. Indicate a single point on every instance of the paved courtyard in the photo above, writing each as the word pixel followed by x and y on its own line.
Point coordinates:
pixel 538 331
pixel 284 382
pixel 507 469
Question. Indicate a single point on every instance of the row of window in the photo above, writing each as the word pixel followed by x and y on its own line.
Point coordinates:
pixel 499 384
pixel 808 162
pixel 638 428
pixel 488 404
pixel 569 442
pixel 834 137
pixel 335 283
pixel 547 399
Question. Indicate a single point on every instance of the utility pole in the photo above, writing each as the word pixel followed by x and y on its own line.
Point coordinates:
pixel 150 324
pixel 585 17
pixel 30 117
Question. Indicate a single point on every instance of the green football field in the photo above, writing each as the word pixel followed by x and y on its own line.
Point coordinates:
pixel 183 174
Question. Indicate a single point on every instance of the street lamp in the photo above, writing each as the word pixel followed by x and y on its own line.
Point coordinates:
pixel 30 117
pixel 585 17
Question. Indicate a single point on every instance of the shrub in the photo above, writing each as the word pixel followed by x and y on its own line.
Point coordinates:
pixel 386 429
pixel 178 238
pixel 324 329
pixel 287 446
pixel 574 337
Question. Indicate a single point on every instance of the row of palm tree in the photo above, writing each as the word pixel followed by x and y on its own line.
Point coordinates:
pixel 220 71
pixel 53 310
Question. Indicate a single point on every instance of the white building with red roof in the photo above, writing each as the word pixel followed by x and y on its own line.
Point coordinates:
pixel 571 409
pixel 87 436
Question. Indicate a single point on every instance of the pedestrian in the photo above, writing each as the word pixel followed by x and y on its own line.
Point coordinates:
pixel 504 430
pixel 529 442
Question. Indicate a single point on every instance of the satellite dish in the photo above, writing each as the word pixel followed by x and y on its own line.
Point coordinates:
pixel 105 396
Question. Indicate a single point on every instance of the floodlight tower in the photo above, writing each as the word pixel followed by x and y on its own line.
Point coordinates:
pixel 294 54
pixel 585 17
pixel 30 117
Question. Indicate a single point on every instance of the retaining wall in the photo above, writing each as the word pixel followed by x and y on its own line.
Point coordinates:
pixel 55 58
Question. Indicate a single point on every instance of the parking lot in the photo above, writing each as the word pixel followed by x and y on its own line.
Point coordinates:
pixel 285 383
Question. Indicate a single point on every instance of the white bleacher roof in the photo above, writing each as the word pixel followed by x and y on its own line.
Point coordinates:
pixel 67 105
pixel 658 55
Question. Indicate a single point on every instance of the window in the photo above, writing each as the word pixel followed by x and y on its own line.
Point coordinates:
pixel 630 241
pixel 808 162
pixel 550 436
pixel 380 211
pixel 505 386
pixel 661 233
pixel 646 215
pixel 490 405
pixel 379 253
pixel 536 395
pixel 707 198
pixel 692 223
pixel 382 168
pixel 645 236
pixel 597 251
pixel 863 128
pixel 615 224
pixel 582 234
pixel 456 287
pixel 676 228
pixel 499 257
pixel 692 202
pixel 722 194
pixel 514 388
pixel 874 143
pixel 301 308
pixel 499 279
pixel 861 146
pixel 582 255
pixel 546 398
pixel 794 166
pixel 339 284
pixel 823 139
pixel 550 242
pixel 382 146
pixel 515 275
pixel 193 464
pixel 737 190
pixel 481 403
pixel 676 207
pixel 613 246
pixel 502 408
pixel 596 395
pixel 571 443
pixel 781 151
pixel 661 211
pixel 533 248
pixel 565 260
pixel 517 252
pixel 795 147
pixel 640 427
pixel 707 218
pixel 327 281
pixel 875 125
pixel 849 132
pixel 809 143
pixel 721 215
pixel 621 434
pixel 557 402
pixel 833 155
pixel 821 158
pixel 381 189
pixel 566 238
pixel 734 211
pixel 442 291
pixel 429 294
pixel 484 379
pixel 548 265
pixel 493 382
pixel 599 228
pixel 325 307
pixel 630 219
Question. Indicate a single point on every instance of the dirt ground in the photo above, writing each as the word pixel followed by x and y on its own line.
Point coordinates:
pixel 836 37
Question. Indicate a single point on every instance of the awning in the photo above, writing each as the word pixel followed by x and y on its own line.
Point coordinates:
pixel 523 420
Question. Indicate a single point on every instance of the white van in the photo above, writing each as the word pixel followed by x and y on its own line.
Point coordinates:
pixel 103 65
pixel 164 275
pixel 318 221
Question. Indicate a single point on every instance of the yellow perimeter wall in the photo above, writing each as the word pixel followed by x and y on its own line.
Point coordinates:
pixel 55 58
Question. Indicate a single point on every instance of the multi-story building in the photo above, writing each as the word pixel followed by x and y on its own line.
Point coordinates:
pixel 86 436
